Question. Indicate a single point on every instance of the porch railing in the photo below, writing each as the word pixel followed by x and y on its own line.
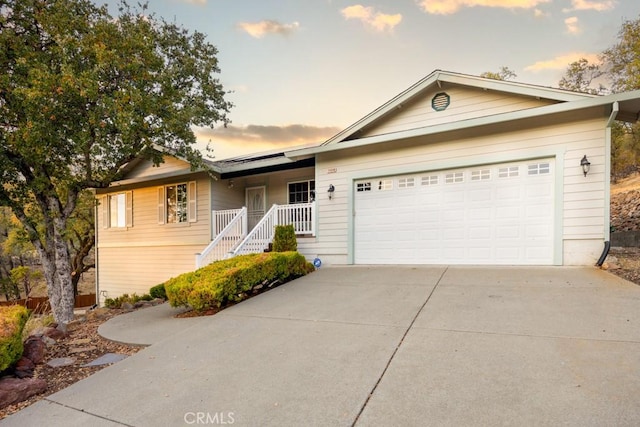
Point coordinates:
pixel 220 219
pixel 226 239
pixel 301 215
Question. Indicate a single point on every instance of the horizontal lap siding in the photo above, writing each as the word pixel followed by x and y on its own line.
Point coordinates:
pixel 136 269
pixel 466 103
pixel 146 168
pixel 148 253
pixel 147 232
pixel 582 197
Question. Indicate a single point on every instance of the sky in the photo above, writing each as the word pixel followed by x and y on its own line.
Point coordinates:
pixel 299 71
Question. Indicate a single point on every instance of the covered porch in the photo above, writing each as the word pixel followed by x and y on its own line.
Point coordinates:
pixel 233 236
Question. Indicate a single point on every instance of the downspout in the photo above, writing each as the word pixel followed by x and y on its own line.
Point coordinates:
pixel 615 108
pixel 95 250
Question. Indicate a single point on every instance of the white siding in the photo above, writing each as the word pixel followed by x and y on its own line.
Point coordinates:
pixel 132 269
pixel 133 259
pixel 146 168
pixel 465 103
pixel 568 136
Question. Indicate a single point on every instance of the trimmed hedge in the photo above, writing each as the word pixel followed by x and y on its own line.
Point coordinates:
pixel 284 239
pixel 12 321
pixel 158 291
pixel 228 280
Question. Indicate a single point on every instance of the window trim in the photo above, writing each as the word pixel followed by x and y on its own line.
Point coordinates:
pixel 311 193
pixel 192 202
pixel 128 210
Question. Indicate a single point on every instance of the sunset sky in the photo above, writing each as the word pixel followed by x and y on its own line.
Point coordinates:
pixel 301 70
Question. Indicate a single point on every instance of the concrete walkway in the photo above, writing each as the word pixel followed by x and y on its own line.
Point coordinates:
pixel 378 346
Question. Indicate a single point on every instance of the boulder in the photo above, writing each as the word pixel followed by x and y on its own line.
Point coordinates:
pixel 14 390
pixel 24 368
pixel 53 333
pixel 34 349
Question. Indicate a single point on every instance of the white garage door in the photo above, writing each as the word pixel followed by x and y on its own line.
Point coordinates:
pixel 497 214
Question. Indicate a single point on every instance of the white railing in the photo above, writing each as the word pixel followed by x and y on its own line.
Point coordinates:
pixel 301 215
pixel 220 219
pixel 226 240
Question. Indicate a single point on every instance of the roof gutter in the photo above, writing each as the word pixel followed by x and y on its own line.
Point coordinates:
pixel 615 109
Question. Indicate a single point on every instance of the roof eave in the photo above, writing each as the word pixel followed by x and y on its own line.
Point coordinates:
pixel 476 122
pixel 439 77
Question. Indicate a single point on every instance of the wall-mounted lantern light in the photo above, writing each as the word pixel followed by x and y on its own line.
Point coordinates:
pixel 331 190
pixel 586 165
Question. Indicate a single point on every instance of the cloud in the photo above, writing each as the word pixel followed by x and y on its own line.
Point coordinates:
pixel 200 2
pixel 562 62
pixel 448 7
pixel 539 13
pixel 277 135
pixel 262 28
pixel 572 25
pixel 598 6
pixel 234 141
pixel 368 15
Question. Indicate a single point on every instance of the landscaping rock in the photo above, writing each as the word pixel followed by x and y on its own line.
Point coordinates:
pixel 126 306
pixel 53 333
pixel 61 361
pixel 142 304
pixel 106 359
pixel 157 301
pixel 24 368
pixel 34 349
pixel 13 390
pixel 49 342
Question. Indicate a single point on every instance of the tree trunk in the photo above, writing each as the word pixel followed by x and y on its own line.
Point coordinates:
pixel 57 271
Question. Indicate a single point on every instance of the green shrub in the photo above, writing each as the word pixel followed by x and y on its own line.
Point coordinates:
pixel 158 291
pixel 285 239
pixel 131 299
pixel 12 321
pixel 229 280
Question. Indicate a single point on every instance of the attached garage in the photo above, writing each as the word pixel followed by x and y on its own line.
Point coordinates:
pixel 490 214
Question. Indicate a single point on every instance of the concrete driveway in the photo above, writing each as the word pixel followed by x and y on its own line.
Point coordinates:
pixel 379 346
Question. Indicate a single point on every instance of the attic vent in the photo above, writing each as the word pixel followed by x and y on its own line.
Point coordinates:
pixel 440 101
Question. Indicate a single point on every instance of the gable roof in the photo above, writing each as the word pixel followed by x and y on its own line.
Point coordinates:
pixel 439 78
pixel 622 106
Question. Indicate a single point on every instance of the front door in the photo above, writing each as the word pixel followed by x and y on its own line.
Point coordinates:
pixel 256 205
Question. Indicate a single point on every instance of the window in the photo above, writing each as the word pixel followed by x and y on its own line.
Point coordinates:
pixel 508 172
pixel 302 192
pixel 118 210
pixel 177 203
pixel 406 182
pixel 385 184
pixel 430 180
pixel 480 175
pixel 539 169
pixel 454 177
pixel 363 186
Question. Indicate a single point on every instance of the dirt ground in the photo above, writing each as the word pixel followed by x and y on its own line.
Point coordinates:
pixel 84 335
pixel 625 262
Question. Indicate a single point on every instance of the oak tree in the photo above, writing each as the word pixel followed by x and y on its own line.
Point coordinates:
pixel 82 93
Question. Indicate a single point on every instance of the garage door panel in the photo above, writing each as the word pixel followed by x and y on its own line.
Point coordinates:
pixel 500 214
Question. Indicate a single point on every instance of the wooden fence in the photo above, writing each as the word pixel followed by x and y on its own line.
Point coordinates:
pixel 41 304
